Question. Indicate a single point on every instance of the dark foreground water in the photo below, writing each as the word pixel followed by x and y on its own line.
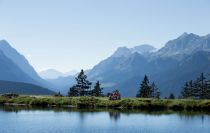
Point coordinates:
pixel 98 121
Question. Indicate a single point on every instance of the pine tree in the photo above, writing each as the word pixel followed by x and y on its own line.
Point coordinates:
pixel 83 85
pixel 154 91
pixel 145 88
pixel 200 88
pixel 188 90
pixel 73 92
pixel 97 91
pixel 153 87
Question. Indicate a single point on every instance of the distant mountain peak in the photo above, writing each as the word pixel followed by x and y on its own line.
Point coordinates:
pixel 54 74
pixel 4 41
pixel 140 49
pixel 5 44
pixel 185 44
pixel 122 51
pixel 50 74
pixel 143 48
pixel 185 35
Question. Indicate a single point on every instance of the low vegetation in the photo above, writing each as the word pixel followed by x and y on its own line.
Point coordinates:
pixel 104 102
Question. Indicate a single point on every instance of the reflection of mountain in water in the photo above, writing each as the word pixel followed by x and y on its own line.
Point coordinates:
pixel 114 115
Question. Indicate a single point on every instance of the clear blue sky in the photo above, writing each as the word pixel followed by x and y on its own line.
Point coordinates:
pixel 75 34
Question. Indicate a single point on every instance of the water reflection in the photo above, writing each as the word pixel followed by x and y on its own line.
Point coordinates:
pixel 113 113
pixel 114 116
pixel 63 120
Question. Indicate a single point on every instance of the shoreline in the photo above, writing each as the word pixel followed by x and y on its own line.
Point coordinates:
pixel 103 102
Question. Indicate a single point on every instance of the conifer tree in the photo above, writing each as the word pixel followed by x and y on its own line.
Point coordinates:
pixel 153 87
pixel 145 88
pixel 73 92
pixel 97 91
pixel 154 91
pixel 199 87
pixel 83 85
pixel 187 91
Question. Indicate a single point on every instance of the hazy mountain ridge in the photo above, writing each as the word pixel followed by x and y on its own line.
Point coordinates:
pixel 19 60
pixel 11 72
pixel 54 74
pixel 51 74
pixel 15 68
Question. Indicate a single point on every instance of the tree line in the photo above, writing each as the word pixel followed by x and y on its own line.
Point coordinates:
pixel 196 89
pixel 199 88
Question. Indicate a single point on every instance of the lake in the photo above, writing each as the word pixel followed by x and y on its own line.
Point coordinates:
pixel 20 120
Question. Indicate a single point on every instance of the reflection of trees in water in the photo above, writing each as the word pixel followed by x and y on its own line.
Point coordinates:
pixel 114 115
pixel 81 116
pixel 191 116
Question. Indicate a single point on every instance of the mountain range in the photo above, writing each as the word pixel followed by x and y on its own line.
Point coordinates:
pixel 15 68
pixel 179 60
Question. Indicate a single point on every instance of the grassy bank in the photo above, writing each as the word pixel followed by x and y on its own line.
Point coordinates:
pixel 101 102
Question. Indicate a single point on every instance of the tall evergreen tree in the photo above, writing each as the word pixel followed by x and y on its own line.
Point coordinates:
pixel 97 91
pixel 154 91
pixel 82 87
pixel 145 88
pixel 199 87
pixel 188 90
pixel 202 86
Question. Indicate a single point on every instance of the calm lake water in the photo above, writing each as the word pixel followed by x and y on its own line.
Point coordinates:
pixel 97 121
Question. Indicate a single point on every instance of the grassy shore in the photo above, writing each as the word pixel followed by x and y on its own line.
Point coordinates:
pixel 103 102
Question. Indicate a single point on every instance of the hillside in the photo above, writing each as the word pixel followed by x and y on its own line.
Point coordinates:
pixel 15 67
pixel 23 88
